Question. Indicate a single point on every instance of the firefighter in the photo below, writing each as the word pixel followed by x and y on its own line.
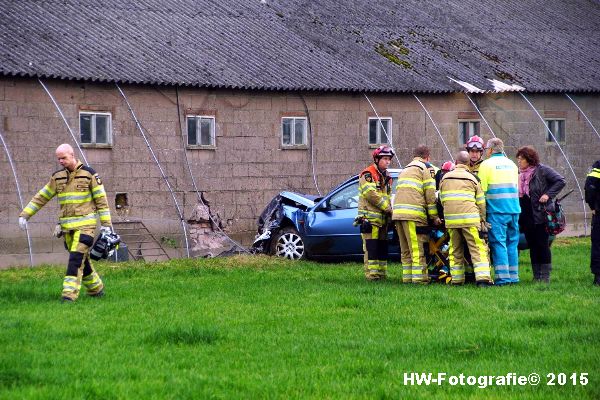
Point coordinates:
pixel 499 180
pixel 82 200
pixel 475 148
pixel 439 174
pixel 414 203
pixel 464 215
pixel 374 211
pixel 592 197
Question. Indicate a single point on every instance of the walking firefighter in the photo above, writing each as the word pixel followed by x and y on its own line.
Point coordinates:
pixel 82 200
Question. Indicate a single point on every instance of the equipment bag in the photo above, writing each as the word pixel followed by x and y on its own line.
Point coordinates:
pixel 556 220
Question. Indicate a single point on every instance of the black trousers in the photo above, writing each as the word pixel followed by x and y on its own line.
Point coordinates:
pixel 595 259
pixel 539 248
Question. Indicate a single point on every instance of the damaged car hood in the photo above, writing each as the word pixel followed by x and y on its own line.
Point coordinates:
pixel 305 200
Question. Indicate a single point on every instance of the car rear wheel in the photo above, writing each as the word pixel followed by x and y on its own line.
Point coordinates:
pixel 288 243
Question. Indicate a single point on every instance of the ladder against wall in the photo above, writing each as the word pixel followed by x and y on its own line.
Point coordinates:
pixel 141 243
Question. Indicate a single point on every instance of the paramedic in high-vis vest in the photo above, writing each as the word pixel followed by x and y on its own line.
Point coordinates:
pixel 500 183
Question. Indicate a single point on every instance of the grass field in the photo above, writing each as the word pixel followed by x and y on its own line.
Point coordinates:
pixel 259 327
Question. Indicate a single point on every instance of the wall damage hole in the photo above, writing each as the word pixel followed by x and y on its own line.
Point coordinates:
pixel 121 201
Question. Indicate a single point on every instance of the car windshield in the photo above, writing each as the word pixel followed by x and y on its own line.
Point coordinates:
pixel 348 197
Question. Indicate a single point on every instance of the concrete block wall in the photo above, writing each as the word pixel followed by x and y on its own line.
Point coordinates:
pixel 248 165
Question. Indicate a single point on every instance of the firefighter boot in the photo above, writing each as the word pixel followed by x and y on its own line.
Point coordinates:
pixel 536 269
pixel 71 286
pixel 597 279
pixel 545 270
pixel 94 285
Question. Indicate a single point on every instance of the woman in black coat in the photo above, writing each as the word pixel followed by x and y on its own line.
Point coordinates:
pixel 538 187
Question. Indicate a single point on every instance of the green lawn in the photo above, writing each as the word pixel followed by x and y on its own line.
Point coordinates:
pixel 259 327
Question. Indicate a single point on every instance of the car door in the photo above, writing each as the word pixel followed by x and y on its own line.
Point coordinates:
pixel 329 226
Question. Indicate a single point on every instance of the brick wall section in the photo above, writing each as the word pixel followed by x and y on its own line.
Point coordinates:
pixel 248 166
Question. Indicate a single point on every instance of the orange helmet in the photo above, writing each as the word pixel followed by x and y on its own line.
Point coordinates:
pixel 383 151
pixel 475 142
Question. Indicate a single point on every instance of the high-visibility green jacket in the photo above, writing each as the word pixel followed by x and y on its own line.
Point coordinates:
pixel 415 192
pixel 81 198
pixel 374 195
pixel 462 198
pixel 592 187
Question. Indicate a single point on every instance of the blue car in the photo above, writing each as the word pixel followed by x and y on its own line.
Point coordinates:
pixel 298 226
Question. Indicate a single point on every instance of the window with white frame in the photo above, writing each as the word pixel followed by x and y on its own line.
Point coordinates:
pixel 293 131
pixel 380 130
pixel 95 127
pixel 466 130
pixel 200 130
pixel 557 127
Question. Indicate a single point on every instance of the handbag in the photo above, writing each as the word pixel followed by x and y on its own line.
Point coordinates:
pixel 556 220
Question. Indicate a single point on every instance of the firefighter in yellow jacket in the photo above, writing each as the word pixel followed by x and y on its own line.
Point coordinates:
pixel 82 200
pixel 464 215
pixel 414 204
pixel 374 210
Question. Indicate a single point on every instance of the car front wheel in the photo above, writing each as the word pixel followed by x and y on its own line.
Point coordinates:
pixel 288 243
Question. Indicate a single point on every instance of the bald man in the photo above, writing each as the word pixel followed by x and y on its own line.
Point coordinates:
pixel 464 213
pixel 82 202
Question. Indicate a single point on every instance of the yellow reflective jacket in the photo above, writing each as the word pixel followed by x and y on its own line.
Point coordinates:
pixel 81 198
pixel 473 167
pixel 374 193
pixel 462 198
pixel 415 193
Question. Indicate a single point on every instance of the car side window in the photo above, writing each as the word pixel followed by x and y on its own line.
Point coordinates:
pixel 345 198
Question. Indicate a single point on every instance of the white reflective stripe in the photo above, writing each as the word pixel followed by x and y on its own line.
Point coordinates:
pixel 491 196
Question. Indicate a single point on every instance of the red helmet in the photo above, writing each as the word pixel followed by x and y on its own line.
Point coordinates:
pixel 383 151
pixel 448 166
pixel 475 142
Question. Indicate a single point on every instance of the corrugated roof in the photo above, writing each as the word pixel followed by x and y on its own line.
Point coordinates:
pixel 382 46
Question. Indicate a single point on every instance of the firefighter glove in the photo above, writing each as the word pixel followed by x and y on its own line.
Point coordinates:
pixel 106 229
pixel 485 226
pixel 23 223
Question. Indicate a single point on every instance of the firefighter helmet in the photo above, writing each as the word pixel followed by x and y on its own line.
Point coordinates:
pixel 475 142
pixel 448 166
pixel 383 151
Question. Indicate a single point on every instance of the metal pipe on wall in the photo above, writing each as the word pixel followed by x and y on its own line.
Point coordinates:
pixel 64 120
pixel 19 196
pixel 388 137
pixel 566 158
pixel 435 126
pixel 584 116
pixel 139 126
pixel 189 168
